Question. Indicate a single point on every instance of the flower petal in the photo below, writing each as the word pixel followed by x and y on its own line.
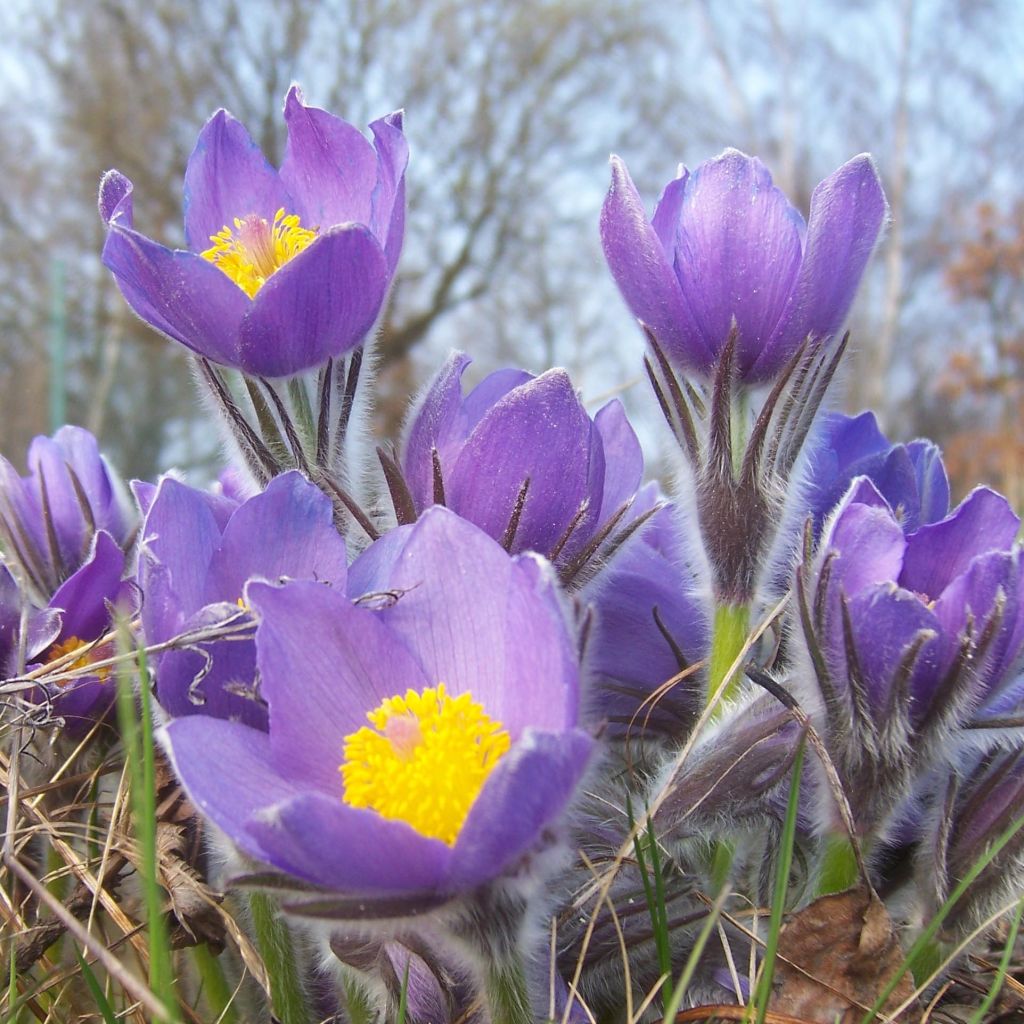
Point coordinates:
pixel 848 210
pixel 323 840
pixel 623 457
pixel 738 253
pixel 287 531
pixel 227 772
pixel 329 166
pixel 539 432
pixel 83 596
pixel 228 177
pixel 319 305
pixel 644 274
pixel 940 552
pixel 496 628
pixel 388 219
pixel 178 293
pixel 528 790
pixel 324 663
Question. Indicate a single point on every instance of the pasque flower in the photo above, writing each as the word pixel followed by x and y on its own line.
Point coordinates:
pixel 65 528
pixel 520 457
pixel 284 268
pixel 910 636
pixel 911 477
pixel 421 738
pixel 198 552
pixel 725 247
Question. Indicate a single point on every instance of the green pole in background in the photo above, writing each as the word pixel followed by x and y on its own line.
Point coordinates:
pixel 58 347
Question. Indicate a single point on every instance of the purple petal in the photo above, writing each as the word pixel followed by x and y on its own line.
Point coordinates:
pixel 527 791
pixel 325 841
pixel 178 293
pixel 227 772
pixel 495 630
pixel 227 177
pixel 287 531
pixel 668 213
pixel 738 254
pixel 426 999
pixel 494 387
pixel 940 552
pixel 371 572
pixel 178 540
pixel 83 596
pixel 329 167
pixel 324 663
pixel 623 457
pixel 388 218
pixel 319 305
pixel 870 547
pixel 644 274
pixel 116 199
pixel 848 210
pixel 932 482
pixel 540 432
pixel 434 423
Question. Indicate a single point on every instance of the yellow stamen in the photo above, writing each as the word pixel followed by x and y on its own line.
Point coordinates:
pixel 426 762
pixel 253 250
pixel 73 643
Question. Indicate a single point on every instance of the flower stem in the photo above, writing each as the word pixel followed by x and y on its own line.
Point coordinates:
pixel 728 635
pixel 216 990
pixel 839 869
pixel 506 994
pixel 277 948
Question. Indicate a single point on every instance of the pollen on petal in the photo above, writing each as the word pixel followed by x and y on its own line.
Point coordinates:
pixel 253 250
pixel 424 761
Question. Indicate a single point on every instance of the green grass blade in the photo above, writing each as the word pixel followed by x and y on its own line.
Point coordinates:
pixel 137 737
pixel 403 997
pixel 1004 966
pixel 216 990
pixel 96 990
pixel 655 896
pixel 782 870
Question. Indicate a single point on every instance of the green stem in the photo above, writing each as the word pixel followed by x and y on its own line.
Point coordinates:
pixel 506 995
pixel 277 948
pixel 728 635
pixel 839 870
pixel 216 989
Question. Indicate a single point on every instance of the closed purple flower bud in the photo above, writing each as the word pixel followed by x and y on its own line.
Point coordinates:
pixel 911 477
pixel 49 518
pixel 910 635
pixel 284 269
pixel 422 740
pixel 198 552
pixel 520 457
pixel 725 246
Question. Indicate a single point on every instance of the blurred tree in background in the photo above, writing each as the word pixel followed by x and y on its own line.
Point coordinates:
pixel 512 109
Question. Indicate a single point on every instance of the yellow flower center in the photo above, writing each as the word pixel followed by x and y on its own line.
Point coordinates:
pixel 424 761
pixel 253 249
pixel 72 643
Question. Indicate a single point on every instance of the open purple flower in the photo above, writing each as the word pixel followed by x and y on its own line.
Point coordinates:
pixel 421 739
pixel 284 269
pixel 520 457
pixel 911 477
pixel 199 551
pixel 910 635
pixel 725 246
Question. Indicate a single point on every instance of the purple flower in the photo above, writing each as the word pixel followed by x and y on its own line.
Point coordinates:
pixel 910 635
pixel 199 551
pixel 911 477
pixel 726 246
pixel 520 457
pixel 284 269
pixel 48 519
pixel 421 739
